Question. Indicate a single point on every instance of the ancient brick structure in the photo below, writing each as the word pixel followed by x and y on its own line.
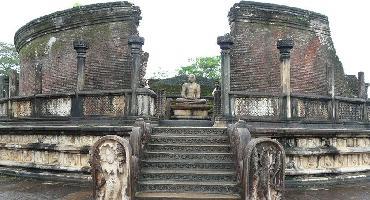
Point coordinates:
pixel 82 78
pixel 47 41
pixel 255 60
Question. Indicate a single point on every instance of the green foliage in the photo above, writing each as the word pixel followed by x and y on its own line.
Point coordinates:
pixel 77 5
pixel 8 58
pixel 207 67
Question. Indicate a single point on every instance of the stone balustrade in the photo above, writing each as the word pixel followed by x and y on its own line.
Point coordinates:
pixel 304 108
pixel 85 104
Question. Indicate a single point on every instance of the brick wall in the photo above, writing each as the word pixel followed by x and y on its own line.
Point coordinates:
pixel 105 27
pixel 255 64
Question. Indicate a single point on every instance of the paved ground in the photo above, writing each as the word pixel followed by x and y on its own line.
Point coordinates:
pixel 351 191
pixel 16 188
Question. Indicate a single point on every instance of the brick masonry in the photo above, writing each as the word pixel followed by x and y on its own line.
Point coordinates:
pixel 255 64
pixel 48 41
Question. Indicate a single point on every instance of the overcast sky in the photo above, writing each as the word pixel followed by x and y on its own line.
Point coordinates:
pixel 177 30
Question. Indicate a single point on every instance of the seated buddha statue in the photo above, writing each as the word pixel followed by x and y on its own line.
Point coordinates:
pixel 190 92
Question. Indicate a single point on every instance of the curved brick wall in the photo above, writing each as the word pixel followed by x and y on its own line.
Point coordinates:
pixel 46 43
pixel 255 64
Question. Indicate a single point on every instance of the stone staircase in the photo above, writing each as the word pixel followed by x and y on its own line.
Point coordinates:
pixel 188 163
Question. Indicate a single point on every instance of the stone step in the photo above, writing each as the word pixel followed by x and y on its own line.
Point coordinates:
pixel 186 164
pixel 186 123
pixel 181 139
pixel 221 187
pixel 184 196
pixel 189 147
pixel 187 175
pixel 188 156
pixel 189 131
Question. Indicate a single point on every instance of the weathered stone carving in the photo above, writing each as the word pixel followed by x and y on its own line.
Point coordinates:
pixel 190 106
pixel 143 67
pixel 239 138
pixel 111 168
pixel 190 92
pixel 263 177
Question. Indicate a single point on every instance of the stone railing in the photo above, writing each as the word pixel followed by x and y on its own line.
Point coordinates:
pixel 255 106
pixel 308 108
pixel 84 104
pixel 311 108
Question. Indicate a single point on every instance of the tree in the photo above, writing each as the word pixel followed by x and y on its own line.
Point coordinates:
pixel 208 67
pixel 8 58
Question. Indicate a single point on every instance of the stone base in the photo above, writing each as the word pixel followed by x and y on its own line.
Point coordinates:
pixel 190 111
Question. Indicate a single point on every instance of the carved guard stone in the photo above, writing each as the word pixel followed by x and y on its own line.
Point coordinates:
pixel 264 173
pixel 111 168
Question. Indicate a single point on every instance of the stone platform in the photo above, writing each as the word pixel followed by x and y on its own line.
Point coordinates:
pixel 190 111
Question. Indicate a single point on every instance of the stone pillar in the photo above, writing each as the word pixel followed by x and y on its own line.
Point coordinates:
pixel 2 87
pixel 13 79
pixel 331 81
pixel 361 85
pixel 225 42
pixel 80 46
pixel 135 42
pixel 6 86
pixel 38 79
pixel 284 46
pixel 367 89
pixel 331 91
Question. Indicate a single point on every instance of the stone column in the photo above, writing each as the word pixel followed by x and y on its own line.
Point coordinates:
pixel 2 85
pixel 38 79
pixel 80 46
pixel 13 86
pixel 284 46
pixel 135 42
pixel 225 42
pixel 331 81
pixel 331 91
pixel 361 85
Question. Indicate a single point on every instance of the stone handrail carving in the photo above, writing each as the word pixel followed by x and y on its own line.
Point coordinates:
pixel 217 109
pixel 111 167
pixel 264 170
pixel 239 138
pixel 138 138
